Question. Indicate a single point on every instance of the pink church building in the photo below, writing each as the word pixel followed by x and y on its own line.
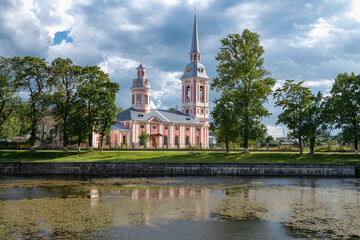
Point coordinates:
pixel 190 126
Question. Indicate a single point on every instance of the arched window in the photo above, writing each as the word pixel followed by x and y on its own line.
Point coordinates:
pixel 187 92
pixel 187 111
pixel 138 99
pixel 165 141
pixel 107 140
pixel 133 99
pixel 176 140
pixel 201 93
pixel 124 139
pixel 187 140
pixel 146 99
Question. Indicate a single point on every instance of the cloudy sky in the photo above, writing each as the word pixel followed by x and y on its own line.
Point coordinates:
pixel 303 40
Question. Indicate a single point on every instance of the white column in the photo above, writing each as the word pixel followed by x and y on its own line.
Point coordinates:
pixel 206 138
pixel 182 136
pixel 171 135
pixel 137 133
pixel 161 138
pixel 191 135
pixel 147 127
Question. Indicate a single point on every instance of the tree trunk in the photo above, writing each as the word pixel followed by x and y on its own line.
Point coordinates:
pixel 227 147
pixel 32 138
pixel 300 145
pixel 246 135
pixel 356 146
pixel 246 145
pixel 101 143
pixel 90 141
pixel 65 138
pixel 79 146
pixel 312 145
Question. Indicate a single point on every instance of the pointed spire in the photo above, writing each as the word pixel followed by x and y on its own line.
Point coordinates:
pixel 141 65
pixel 195 39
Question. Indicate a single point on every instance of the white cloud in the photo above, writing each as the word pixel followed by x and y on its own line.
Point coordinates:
pixel 202 4
pixel 245 15
pixel 65 20
pixel 355 10
pixel 25 27
pixel 278 84
pixel 321 31
pixel 110 64
pixel 276 131
pixel 167 89
pixel 319 83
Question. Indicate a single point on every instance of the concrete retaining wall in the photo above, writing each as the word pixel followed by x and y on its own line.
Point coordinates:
pixel 175 169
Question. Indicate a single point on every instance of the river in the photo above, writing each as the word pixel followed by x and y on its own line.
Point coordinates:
pixel 49 207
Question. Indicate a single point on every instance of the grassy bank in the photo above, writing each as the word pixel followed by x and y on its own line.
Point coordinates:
pixel 174 156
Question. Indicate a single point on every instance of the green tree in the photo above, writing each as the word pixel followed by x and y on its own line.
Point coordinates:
pixel 172 109
pixel 65 78
pixel 225 122
pixel 88 95
pixel 119 110
pixel 241 72
pixel 106 107
pixel 98 94
pixel 17 124
pixel 78 130
pixel 269 139
pixel 143 137
pixel 344 103
pixel 8 89
pixel 314 122
pixel 295 101
pixel 32 74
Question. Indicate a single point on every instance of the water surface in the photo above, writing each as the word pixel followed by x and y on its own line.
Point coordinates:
pixel 179 208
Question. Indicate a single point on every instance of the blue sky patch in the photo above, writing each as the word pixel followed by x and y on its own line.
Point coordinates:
pixel 60 36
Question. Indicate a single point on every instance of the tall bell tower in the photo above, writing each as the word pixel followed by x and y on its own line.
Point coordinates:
pixel 195 84
pixel 140 90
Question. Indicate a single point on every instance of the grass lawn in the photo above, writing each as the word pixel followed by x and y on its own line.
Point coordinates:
pixel 174 156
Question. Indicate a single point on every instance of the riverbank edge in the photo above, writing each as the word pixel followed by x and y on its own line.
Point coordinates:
pixel 145 169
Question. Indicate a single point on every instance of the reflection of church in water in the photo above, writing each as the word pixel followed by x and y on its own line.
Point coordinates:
pixel 183 202
pixel 190 126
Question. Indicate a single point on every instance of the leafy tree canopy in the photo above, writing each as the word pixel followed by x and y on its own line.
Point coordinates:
pixel 241 73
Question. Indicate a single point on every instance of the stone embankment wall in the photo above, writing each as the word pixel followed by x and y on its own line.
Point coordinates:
pixel 175 169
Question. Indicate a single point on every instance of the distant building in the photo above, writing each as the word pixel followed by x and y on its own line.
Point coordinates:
pixel 212 138
pixel 285 140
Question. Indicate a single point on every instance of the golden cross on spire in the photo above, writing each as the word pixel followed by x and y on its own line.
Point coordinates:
pixel 140 60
